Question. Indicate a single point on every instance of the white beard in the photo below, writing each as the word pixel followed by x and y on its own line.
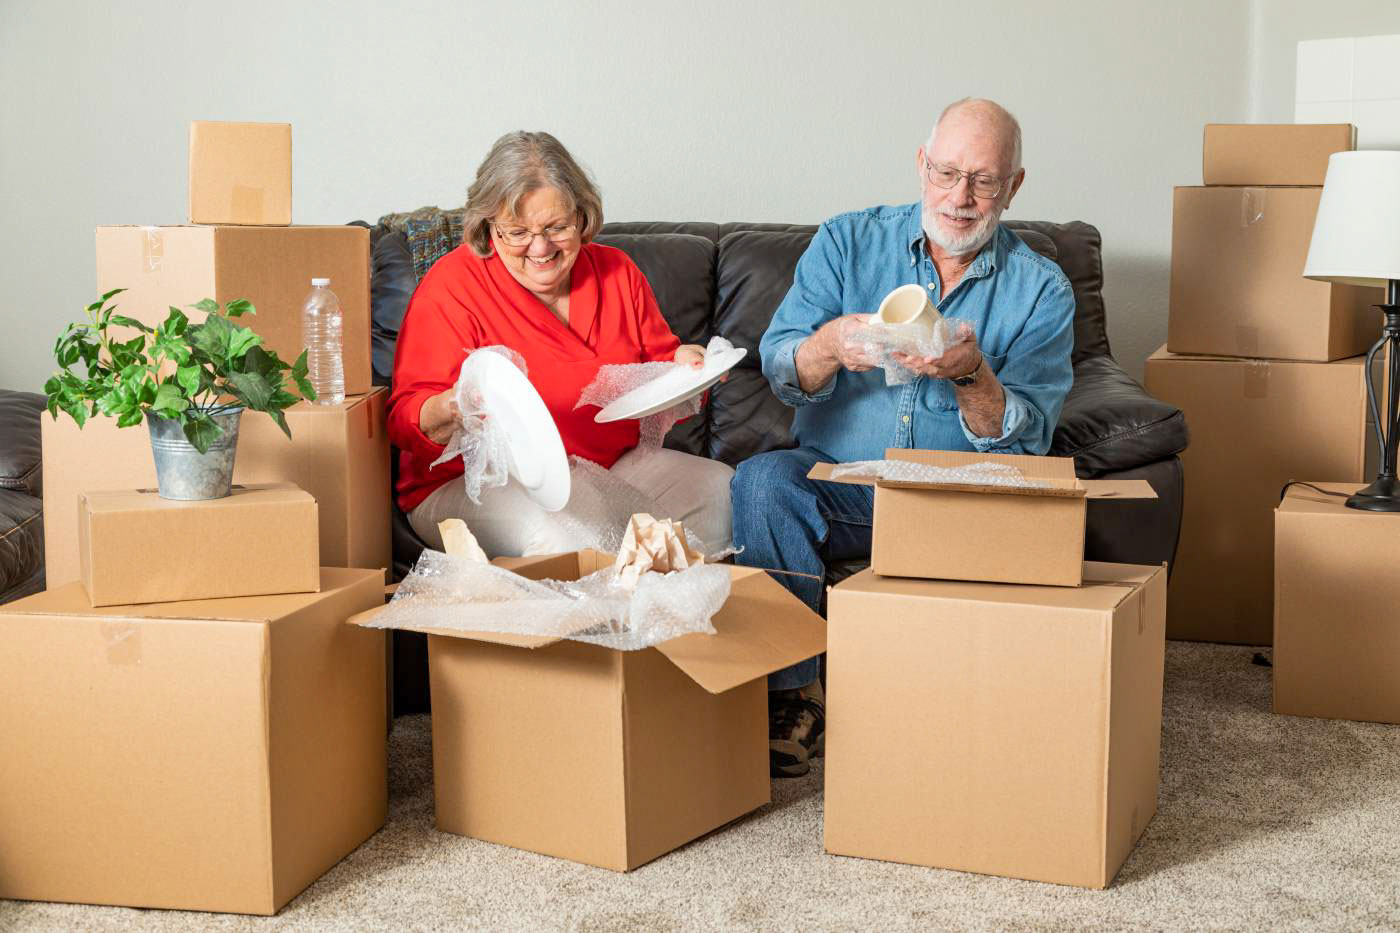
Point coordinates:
pixel 969 242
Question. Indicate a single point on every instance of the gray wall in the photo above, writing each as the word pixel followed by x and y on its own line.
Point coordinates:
pixel 778 111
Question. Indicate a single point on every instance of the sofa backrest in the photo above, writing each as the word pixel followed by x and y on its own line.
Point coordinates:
pixel 727 280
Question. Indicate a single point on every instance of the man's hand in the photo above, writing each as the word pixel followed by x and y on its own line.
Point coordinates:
pixel 957 361
pixel 838 338
pixel 830 349
pixel 439 417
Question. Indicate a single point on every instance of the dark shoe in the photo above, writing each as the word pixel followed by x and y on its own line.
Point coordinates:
pixel 796 730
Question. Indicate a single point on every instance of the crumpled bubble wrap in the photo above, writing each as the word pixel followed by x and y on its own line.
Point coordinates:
pixel 480 441
pixel 617 379
pixel 881 342
pixel 983 473
pixel 456 592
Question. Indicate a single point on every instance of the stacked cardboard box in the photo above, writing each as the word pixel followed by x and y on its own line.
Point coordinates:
pixel 994 704
pixel 1263 362
pixel 1336 628
pixel 186 696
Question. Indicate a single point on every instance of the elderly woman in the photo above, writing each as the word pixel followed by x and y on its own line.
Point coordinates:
pixel 529 277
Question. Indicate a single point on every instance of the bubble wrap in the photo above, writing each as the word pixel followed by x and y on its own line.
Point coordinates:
pixel 881 342
pixel 617 379
pixel 983 473
pixel 479 441
pixel 459 594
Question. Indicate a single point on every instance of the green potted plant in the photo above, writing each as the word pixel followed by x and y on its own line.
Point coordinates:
pixel 189 382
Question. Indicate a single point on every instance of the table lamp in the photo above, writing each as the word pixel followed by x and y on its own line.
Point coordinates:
pixel 1356 241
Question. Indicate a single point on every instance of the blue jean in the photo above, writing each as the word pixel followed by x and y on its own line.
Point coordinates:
pixel 784 521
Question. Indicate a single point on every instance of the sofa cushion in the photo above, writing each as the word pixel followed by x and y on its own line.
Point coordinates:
pixel 1110 423
pixel 391 285
pixel 21 544
pixel 19 441
pixel 1079 252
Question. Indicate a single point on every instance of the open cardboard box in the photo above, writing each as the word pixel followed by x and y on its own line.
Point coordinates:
pixel 607 757
pixel 997 534
pixel 214 755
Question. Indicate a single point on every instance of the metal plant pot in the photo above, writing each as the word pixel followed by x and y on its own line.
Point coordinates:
pixel 182 472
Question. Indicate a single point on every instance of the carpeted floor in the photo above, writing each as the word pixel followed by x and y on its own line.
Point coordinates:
pixel 1265 822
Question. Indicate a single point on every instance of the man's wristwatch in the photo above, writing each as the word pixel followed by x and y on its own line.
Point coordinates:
pixel 971 377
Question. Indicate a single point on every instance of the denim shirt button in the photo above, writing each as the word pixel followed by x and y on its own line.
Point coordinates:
pixel 906 419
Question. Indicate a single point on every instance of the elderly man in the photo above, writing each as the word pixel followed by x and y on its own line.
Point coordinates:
pixel 1000 391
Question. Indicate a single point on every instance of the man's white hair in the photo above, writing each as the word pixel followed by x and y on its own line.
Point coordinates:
pixel 1009 126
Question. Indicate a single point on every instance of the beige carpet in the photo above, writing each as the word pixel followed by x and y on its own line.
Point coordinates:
pixel 1265 822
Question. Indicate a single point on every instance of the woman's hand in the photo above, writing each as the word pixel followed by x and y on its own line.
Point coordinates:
pixel 439 417
pixel 693 355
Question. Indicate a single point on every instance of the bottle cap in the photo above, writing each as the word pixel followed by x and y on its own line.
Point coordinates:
pixel 319 282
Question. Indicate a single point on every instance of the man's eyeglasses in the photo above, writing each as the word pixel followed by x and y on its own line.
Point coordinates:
pixel 520 236
pixel 946 176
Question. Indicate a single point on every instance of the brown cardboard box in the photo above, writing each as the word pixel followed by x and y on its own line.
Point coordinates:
pixel 1336 608
pixel 135 547
pixel 1003 549
pixel 214 755
pixel 1272 153
pixel 611 758
pixel 1237 286
pixel 338 453
pixel 1255 424
pixel 270 266
pixel 994 728
pixel 240 173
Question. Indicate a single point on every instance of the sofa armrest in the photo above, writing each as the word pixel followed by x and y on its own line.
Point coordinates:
pixel 1110 423
pixel 20 452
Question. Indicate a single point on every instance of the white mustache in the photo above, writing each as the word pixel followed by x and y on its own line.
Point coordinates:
pixel 959 213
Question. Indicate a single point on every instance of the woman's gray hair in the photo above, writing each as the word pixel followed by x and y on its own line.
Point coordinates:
pixel 518 164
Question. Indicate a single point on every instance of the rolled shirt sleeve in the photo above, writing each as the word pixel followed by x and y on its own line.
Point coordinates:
pixel 813 300
pixel 1035 376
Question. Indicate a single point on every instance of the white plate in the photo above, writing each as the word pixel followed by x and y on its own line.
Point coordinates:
pixel 671 388
pixel 537 458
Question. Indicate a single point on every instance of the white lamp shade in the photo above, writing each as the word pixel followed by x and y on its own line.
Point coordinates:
pixel 1356 238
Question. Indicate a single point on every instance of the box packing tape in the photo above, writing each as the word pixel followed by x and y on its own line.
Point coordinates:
pixel 1252 206
pixel 1256 379
pixel 1246 340
pixel 152 248
pixel 246 201
pixel 123 640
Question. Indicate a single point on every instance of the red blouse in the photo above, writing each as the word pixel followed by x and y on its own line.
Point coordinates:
pixel 466 302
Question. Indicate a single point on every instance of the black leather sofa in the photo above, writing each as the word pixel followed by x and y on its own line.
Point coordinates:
pixel 21 496
pixel 728 279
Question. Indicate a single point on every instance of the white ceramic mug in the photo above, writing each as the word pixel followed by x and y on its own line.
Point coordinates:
pixel 908 304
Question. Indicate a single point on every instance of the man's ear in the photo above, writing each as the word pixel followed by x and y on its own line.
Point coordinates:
pixel 919 164
pixel 1016 181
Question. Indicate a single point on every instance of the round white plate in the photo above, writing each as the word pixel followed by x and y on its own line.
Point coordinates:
pixel 671 388
pixel 537 458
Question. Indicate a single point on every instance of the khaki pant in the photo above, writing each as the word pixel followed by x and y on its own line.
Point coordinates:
pixel 508 523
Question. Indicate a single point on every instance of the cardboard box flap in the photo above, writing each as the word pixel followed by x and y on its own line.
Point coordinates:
pixel 1057 472
pixel 762 628
pixel 1118 489
pixel 365 619
pixel 71 600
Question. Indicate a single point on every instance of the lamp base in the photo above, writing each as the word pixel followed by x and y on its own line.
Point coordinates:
pixel 1381 496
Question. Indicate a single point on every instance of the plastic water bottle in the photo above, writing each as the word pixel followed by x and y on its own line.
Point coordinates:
pixel 321 328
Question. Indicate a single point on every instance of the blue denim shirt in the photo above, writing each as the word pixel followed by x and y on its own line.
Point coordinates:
pixel 1019 304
